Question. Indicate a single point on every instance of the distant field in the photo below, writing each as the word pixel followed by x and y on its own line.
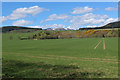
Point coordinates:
pixel 64 58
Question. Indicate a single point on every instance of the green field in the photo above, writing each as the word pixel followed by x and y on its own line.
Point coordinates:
pixel 59 58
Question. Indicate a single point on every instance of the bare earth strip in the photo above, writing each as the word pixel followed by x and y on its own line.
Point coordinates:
pixel 79 59
pixel 72 58
pixel 97 45
pixel 55 56
pixel 104 44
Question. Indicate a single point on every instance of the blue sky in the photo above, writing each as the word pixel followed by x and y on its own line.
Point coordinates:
pixel 59 14
pixel 60 0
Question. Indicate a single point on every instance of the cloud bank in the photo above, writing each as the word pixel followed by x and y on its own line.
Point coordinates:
pixel 81 10
pixel 110 9
pixel 22 23
pixel 23 12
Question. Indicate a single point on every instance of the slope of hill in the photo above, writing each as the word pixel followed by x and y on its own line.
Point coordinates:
pixel 27 29
pixel 109 25
pixel 113 25
pixel 18 28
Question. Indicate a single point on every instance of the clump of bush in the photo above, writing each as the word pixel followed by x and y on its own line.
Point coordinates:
pixel 72 34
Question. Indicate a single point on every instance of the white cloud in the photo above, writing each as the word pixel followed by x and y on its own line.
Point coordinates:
pixel 82 21
pixel 22 23
pixel 110 9
pixel 109 20
pixel 87 19
pixel 35 26
pixel 90 20
pixel 31 10
pixel 56 17
pixel 2 19
pixel 81 10
pixel 22 12
pixel 53 26
pixel 69 27
pixel 92 26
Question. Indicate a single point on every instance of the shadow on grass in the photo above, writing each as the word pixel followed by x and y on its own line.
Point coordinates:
pixel 19 69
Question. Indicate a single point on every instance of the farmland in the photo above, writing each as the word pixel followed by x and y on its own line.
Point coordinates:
pixel 59 58
pixel 59 40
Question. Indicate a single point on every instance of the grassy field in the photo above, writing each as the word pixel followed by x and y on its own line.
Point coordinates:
pixel 59 58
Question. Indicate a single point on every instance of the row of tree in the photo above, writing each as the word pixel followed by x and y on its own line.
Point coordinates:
pixel 72 34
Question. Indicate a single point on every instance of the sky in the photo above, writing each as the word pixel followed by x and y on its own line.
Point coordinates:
pixel 60 0
pixel 73 15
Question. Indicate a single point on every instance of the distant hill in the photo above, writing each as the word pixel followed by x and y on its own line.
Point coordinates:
pixel 18 28
pixel 49 29
pixel 110 25
pixel 59 29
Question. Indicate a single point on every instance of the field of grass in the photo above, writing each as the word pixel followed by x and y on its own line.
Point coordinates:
pixel 59 58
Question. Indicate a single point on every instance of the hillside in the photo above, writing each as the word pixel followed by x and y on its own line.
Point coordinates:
pixel 18 28
pixel 109 25
pixel 26 29
pixel 113 25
